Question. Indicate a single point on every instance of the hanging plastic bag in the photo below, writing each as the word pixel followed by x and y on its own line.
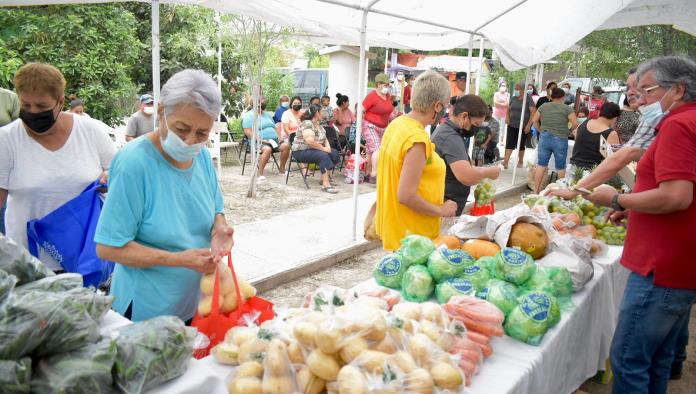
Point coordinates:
pixel 15 376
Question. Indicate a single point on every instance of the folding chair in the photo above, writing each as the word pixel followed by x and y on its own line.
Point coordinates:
pixel 247 151
pixel 303 171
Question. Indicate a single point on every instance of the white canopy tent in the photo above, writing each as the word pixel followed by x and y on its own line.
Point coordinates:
pixel 439 25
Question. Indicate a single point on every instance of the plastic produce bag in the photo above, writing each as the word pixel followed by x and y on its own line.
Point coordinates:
pixel 415 249
pixel 502 294
pixel 16 260
pixel 7 283
pixel 390 270
pixel 452 287
pixel 532 317
pixel 151 352
pixel 87 370
pixel 553 280
pixel 279 374
pixel 45 323
pixel 514 265
pixel 446 263
pixel 15 376
pixel 484 192
pixel 476 274
pixel 55 284
pixel 417 284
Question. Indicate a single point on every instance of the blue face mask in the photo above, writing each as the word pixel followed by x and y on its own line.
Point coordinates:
pixel 516 93
pixel 652 113
pixel 179 150
pixel 285 104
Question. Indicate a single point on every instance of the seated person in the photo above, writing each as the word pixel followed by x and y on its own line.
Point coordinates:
pixel 312 146
pixel 270 138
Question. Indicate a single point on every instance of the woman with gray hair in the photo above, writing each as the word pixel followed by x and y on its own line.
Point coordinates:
pixel 163 222
pixel 411 181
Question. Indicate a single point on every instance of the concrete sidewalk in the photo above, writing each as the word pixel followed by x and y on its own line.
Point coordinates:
pixel 285 247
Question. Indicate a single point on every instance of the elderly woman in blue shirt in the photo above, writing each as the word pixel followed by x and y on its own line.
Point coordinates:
pixel 163 221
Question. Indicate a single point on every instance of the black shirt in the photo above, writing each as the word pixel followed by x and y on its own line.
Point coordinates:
pixel 542 101
pixel 450 144
pixel 586 149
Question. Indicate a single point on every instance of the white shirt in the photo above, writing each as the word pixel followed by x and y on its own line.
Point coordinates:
pixel 39 181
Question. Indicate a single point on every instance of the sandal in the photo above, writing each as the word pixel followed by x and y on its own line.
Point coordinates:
pixel 372 180
pixel 330 189
pixel 331 182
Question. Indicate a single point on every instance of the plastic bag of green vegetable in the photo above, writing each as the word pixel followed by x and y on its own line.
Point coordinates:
pixel 16 260
pixel 446 263
pixel 534 315
pixel 54 284
pixel 390 270
pixel 7 283
pixel 417 284
pixel 553 280
pixel 87 370
pixel 477 275
pixel 46 323
pixel 151 352
pixel 15 376
pixel 452 287
pixel 415 249
pixel 514 265
pixel 501 294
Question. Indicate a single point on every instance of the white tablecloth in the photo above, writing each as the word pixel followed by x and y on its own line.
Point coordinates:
pixel 571 352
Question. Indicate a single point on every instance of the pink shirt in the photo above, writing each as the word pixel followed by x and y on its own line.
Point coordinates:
pixel 343 119
pixel 499 110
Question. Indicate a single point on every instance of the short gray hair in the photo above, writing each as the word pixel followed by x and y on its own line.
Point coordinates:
pixel 191 87
pixel 671 70
pixel 429 88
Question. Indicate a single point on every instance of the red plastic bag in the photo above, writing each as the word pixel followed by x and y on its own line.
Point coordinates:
pixel 482 210
pixel 216 324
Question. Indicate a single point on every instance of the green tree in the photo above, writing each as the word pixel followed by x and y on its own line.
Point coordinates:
pixel 314 59
pixel 95 47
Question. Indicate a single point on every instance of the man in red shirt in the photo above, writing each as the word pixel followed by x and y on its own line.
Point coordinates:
pixel 657 301
pixel 407 93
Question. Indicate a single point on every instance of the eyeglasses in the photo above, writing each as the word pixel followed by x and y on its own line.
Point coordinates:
pixel 646 91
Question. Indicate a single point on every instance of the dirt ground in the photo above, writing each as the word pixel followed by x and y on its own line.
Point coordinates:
pixel 273 196
pixel 357 269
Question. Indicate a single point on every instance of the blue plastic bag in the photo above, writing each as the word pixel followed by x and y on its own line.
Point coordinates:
pixel 67 235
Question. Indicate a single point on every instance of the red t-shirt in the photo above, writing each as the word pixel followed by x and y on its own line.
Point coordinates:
pixel 407 95
pixel 377 109
pixel 595 106
pixel 662 244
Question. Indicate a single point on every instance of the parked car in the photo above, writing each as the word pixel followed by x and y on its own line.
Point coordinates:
pixel 310 82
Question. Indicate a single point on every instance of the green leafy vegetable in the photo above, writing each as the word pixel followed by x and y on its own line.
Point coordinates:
pixel 417 284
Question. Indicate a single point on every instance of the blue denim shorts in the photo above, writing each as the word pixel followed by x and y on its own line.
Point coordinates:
pixel 550 144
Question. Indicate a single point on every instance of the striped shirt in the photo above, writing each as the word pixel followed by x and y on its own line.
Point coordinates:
pixel 644 135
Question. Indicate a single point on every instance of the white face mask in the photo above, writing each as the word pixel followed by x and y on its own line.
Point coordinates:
pixel 386 90
pixel 652 113
pixel 285 104
pixel 177 148
pixel 400 77
pixel 149 110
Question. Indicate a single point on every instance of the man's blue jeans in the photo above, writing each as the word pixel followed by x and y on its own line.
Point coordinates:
pixel 651 320
pixel 2 219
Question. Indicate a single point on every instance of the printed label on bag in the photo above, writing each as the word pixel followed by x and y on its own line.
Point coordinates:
pixel 472 270
pixel 514 256
pixel 389 266
pixel 453 256
pixel 536 306
pixel 461 285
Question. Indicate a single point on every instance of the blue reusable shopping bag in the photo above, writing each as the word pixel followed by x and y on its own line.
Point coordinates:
pixel 67 235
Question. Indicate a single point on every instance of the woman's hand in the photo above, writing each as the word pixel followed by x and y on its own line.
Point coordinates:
pixel 221 239
pixel 199 260
pixel 104 177
pixel 448 209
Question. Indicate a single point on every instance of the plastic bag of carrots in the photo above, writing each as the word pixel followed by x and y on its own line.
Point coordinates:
pixel 482 320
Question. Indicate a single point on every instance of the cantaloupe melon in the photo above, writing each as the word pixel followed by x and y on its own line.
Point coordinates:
pixel 478 248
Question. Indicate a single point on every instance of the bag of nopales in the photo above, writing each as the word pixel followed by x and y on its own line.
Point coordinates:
pixel 7 283
pixel 86 370
pixel 535 314
pixel 15 376
pixel 16 260
pixel 45 323
pixel 151 352
pixel 53 284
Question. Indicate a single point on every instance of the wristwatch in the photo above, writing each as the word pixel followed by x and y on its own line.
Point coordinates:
pixel 615 203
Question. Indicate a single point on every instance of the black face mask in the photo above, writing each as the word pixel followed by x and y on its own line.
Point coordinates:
pixel 468 133
pixel 263 106
pixel 297 107
pixel 395 103
pixel 39 122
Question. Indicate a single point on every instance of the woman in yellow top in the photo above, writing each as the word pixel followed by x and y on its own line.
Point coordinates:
pixel 411 181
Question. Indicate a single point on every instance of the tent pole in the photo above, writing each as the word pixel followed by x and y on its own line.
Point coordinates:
pixel 480 62
pixel 468 70
pixel 362 71
pixel 521 129
pixel 219 56
pixel 386 59
pixel 155 57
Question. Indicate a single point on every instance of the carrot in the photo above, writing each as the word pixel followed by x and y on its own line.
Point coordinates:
pixel 494 317
pixel 487 350
pixel 481 328
pixel 467 367
pixel 478 338
pixel 473 356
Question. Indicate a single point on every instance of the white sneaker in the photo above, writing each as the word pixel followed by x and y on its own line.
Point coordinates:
pixel 261 179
